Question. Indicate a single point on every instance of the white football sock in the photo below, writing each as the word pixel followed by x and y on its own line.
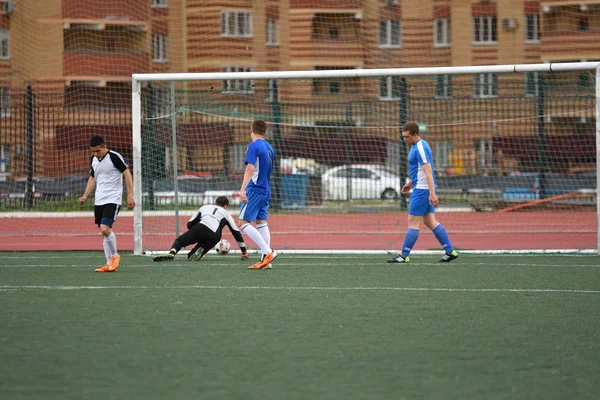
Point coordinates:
pixel 107 252
pixel 256 237
pixel 112 244
pixel 263 229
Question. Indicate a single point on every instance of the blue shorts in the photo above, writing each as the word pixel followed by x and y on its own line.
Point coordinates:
pixel 256 208
pixel 419 203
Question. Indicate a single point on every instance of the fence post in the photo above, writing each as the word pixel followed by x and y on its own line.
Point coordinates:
pixel 276 142
pixel 403 120
pixel 30 146
pixel 543 167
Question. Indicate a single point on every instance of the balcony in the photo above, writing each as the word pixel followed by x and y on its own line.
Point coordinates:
pixel 555 46
pixel 98 64
pixel 132 10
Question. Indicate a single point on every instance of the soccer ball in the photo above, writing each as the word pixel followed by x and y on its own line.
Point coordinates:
pixel 223 247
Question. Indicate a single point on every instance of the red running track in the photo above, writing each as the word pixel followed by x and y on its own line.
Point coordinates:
pixel 379 231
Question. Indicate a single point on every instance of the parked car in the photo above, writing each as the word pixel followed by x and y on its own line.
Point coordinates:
pixel 366 182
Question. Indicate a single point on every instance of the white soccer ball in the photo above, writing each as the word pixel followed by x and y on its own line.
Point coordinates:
pixel 223 247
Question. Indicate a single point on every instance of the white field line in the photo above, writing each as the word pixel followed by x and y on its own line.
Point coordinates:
pixel 303 288
pixel 237 263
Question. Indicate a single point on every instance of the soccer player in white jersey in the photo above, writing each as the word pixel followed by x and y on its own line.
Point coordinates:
pixel 255 193
pixel 205 228
pixel 423 200
pixel 106 175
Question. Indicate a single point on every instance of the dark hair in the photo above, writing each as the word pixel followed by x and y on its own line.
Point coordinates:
pixel 97 141
pixel 411 127
pixel 259 127
pixel 222 201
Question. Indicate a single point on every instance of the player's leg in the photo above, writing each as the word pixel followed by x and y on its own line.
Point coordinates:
pixel 442 236
pixel 248 213
pixel 263 228
pixel 98 213
pixel 109 216
pixel 419 206
pixel 183 240
pixel 207 239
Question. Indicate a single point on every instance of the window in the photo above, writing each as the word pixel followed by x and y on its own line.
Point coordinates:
pixel 272 29
pixel 161 101
pixel 584 24
pixel 5 154
pixel 4 101
pixel 389 87
pixel 532 28
pixel 236 24
pixel 443 150
pixel 485 85
pixel 4 44
pixel 443 86
pixel 485 30
pixel 389 33
pixel 441 32
pixel 237 85
pixel 159 48
pixel 271 91
pixel 334 33
pixel 159 3
pixel 531 84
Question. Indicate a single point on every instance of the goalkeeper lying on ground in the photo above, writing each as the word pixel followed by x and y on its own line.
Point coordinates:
pixel 205 229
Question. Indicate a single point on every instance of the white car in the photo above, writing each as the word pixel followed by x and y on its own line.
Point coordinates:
pixel 366 182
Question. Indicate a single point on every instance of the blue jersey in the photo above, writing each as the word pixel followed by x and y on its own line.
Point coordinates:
pixel 420 153
pixel 261 155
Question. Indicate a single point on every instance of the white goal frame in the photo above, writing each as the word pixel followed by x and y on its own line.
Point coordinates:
pixel 137 79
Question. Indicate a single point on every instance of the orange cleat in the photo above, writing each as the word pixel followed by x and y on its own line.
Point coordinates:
pixel 114 263
pixel 265 263
pixel 104 268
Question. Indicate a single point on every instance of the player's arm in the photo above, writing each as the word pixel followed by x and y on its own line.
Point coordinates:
pixel 235 231
pixel 406 188
pixel 129 185
pixel 247 176
pixel 430 185
pixel 194 220
pixel 89 188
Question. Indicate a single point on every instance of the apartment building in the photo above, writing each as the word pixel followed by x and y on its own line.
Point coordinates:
pixel 83 52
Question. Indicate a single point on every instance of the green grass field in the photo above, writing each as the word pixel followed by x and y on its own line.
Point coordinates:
pixel 314 327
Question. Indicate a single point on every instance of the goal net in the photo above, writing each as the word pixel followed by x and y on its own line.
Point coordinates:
pixel 513 148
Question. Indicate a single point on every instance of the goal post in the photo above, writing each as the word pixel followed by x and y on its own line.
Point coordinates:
pixel 512 138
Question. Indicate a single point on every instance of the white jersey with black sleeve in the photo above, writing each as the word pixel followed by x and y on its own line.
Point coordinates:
pixel 216 218
pixel 108 173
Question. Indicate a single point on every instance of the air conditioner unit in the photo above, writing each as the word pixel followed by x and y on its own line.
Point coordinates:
pixel 509 24
pixel 392 2
pixel 8 7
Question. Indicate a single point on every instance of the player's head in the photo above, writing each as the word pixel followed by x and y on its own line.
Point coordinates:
pixel 98 146
pixel 259 127
pixel 410 133
pixel 222 201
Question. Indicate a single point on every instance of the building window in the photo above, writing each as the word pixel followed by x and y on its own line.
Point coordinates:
pixel 532 28
pixel 4 44
pixel 159 48
pixel 389 87
pixel 584 24
pixel 485 85
pixel 272 35
pixel 390 33
pixel 236 24
pixel 5 153
pixel 485 30
pixel 271 91
pixel 159 3
pixel 532 83
pixel 161 101
pixel 441 32
pixel 237 85
pixel 443 86
pixel 443 150
pixel 4 101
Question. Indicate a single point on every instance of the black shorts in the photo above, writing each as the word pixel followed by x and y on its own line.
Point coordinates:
pixel 202 235
pixel 106 214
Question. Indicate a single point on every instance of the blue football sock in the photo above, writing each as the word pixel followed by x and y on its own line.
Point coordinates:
pixel 409 241
pixel 442 236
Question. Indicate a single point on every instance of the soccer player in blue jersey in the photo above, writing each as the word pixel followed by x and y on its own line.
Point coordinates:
pixel 255 193
pixel 423 200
